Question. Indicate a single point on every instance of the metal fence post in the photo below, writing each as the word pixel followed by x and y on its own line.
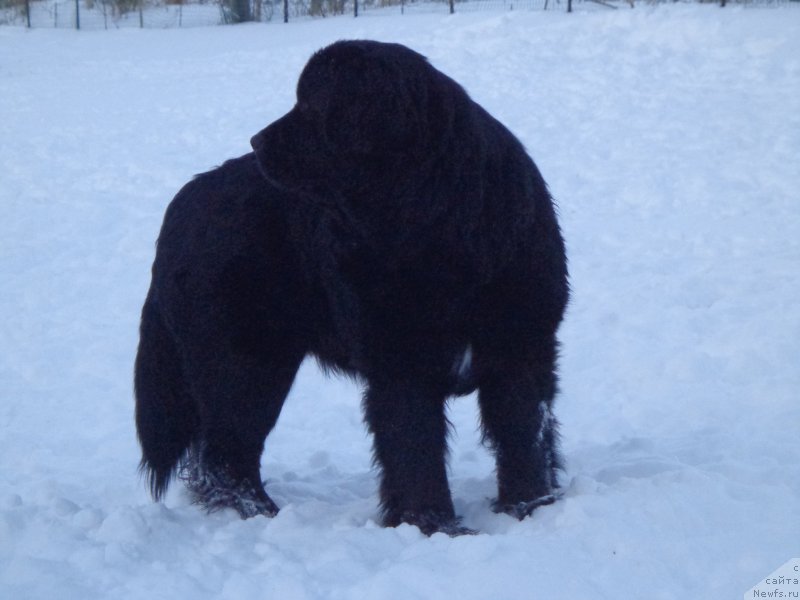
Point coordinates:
pixel 28 12
pixel 452 7
pixel 77 14
pixel 355 8
pixel 285 11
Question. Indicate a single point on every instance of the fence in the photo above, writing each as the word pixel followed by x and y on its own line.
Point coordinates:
pixel 109 14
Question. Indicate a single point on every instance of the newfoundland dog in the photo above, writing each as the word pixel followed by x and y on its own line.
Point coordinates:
pixel 393 229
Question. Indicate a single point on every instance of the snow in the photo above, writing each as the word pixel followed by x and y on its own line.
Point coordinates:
pixel 670 137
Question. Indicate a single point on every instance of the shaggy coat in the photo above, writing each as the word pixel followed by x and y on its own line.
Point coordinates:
pixel 389 226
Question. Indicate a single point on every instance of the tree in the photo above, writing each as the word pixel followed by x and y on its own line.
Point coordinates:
pixel 237 11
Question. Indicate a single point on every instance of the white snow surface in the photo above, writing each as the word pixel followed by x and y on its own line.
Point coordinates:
pixel 670 138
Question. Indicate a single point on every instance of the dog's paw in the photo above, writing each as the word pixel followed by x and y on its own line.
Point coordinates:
pixel 520 510
pixel 430 522
pixel 215 490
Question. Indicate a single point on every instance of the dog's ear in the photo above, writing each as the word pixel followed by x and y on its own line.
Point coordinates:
pixel 405 105
pixel 383 127
pixel 374 111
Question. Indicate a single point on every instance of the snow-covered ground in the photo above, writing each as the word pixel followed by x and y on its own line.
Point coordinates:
pixel 671 140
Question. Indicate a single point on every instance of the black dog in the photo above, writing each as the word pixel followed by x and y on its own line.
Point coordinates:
pixel 392 228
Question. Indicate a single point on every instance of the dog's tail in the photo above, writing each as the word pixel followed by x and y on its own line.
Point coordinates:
pixel 166 416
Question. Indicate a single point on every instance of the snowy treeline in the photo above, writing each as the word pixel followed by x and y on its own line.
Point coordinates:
pixel 109 14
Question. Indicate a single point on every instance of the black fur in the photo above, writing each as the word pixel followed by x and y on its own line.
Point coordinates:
pixel 391 227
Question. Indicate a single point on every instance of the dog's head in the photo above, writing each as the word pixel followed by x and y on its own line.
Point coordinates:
pixel 365 112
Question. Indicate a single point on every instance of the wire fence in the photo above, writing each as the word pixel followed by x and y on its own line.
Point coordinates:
pixel 115 14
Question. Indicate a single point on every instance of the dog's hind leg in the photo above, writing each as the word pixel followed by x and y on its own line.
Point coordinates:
pixel 240 401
